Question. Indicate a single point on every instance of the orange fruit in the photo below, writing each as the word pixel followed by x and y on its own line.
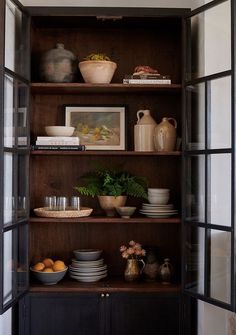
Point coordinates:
pixel 58 265
pixel 39 266
pixel 48 270
pixel 48 262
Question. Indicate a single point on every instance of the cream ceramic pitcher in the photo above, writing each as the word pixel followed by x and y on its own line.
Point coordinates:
pixel 144 131
pixel 165 134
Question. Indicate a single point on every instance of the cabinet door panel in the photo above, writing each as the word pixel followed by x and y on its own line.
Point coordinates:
pixel 139 314
pixel 72 315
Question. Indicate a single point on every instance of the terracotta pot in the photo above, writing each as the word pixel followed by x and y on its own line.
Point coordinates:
pixel 109 203
pixel 97 71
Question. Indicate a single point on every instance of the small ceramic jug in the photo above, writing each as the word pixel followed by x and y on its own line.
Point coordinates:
pixel 166 271
pixel 132 270
pixel 57 65
pixel 144 131
pixel 165 135
pixel 151 269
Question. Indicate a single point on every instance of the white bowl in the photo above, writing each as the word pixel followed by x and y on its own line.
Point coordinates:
pixel 158 190
pixel 97 71
pixel 159 199
pixel 59 130
pixel 87 254
pixel 49 278
pixel 125 211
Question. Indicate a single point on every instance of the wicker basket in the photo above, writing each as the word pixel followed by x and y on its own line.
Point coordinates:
pixel 44 212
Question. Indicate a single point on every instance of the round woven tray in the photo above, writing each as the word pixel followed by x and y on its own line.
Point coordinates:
pixel 44 212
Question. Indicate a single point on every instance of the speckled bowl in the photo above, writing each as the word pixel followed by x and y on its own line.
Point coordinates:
pixel 125 212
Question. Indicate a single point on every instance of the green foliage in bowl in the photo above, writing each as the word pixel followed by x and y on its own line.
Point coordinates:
pixel 98 56
pixel 112 182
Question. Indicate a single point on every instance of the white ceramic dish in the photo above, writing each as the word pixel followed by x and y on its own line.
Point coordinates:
pixel 125 211
pixel 87 254
pixel 59 130
pixel 89 269
pixel 49 278
pixel 85 264
pixel 90 274
pixel 88 279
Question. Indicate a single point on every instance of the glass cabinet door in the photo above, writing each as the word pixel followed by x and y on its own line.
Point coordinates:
pixel 209 155
pixel 14 146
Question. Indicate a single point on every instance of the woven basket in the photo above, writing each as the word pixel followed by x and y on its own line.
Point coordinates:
pixel 44 212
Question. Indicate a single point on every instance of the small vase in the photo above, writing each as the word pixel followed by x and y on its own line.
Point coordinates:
pixel 109 203
pixel 165 135
pixel 132 270
pixel 166 271
pixel 151 269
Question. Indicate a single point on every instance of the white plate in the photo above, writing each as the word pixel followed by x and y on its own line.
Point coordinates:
pixel 91 269
pixel 90 274
pixel 88 279
pixel 158 211
pixel 163 216
pixel 88 263
pixel 157 206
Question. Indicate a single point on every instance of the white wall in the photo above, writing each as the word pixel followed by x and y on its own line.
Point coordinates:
pixel 115 3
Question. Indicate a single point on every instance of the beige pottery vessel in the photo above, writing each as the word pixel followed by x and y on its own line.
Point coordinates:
pixel 165 135
pixel 109 203
pixel 97 71
pixel 144 131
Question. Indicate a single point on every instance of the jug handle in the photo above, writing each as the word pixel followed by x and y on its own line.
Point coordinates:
pixel 174 121
pixel 138 114
pixel 143 264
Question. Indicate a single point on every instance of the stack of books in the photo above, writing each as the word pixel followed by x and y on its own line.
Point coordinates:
pixel 147 78
pixel 58 143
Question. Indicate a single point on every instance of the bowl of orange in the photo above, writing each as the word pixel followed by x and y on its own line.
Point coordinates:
pixel 49 272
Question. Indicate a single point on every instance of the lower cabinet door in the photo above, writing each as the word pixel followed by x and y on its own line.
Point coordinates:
pixel 144 314
pixel 64 314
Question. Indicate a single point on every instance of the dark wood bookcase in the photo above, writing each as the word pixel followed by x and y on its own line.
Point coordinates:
pixel 153 38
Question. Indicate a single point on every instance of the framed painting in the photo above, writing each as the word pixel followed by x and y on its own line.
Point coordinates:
pixel 98 127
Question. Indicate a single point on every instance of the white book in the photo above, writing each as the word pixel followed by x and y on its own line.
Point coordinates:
pixel 58 142
pixel 147 81
pixel 56 137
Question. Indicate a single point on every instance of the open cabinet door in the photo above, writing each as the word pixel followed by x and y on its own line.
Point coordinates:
pixel 14 158
pixel 209 171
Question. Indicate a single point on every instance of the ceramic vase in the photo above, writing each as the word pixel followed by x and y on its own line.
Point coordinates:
pixel 166 271
pixel 144 131
pixel 165 135
pixel 132 270
pixel 109 203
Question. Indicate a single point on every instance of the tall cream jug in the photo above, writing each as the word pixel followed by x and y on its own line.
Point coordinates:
pixel 165 135
pixel 144 131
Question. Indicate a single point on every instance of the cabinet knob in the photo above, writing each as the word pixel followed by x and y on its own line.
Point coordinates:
pixel 107 295
pixel 102 295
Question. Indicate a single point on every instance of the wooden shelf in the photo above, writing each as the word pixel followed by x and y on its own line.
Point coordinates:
pixel 108 285
pixel 103 153
pixel 83 88
pixel 104 219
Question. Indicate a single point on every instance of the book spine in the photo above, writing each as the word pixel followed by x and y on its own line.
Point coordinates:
pixel 55 138
pixel 59 147
pixel 147 81
pixel 57 142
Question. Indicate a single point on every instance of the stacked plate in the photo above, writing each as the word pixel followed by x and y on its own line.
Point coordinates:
pixel 158 211
pixel 88 271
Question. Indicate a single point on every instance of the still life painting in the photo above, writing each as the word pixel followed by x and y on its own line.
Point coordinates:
pixel 98 127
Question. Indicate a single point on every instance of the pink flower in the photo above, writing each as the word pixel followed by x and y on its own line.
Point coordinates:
pixel 137 246
pixel 143 252
pixel 132 243
pixel 130 251
pixel 125 254
pixel 123 248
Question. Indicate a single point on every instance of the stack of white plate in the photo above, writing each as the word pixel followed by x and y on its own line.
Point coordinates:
pixel 158 211
pixel 88 271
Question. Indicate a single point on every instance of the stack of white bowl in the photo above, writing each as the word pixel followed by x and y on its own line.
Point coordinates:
pixel 87 266
pixel 158 196
pixel 158 206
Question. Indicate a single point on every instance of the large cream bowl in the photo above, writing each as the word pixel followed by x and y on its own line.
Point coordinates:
pixel 97 71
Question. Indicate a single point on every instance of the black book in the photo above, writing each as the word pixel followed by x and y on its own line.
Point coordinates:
pixel 59 147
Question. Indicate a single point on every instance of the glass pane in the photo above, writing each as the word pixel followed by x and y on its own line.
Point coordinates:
pixel 194 251
pixel 9 200
pixel 195 188
pixel 9 111
pixel 211 41
pixel 22 131
pixel 220 265
pixel 16 44
pixel 9 265
pixel 22 269
pixel 207 319
pixel 219 135
pixel 219 189
pixel 196 117
pixel 23 173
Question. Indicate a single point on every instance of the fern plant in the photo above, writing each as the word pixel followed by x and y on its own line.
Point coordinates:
pixel 111 182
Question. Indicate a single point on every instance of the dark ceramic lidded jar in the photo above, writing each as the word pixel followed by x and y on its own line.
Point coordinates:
pixel 57 65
